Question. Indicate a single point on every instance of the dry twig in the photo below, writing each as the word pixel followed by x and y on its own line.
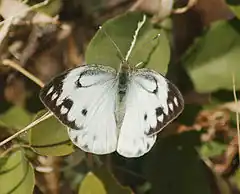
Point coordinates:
pixel 23 71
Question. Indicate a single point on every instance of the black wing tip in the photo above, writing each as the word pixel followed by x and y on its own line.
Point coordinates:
pixel 173 95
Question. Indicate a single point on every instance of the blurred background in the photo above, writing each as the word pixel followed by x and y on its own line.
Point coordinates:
pixel 196 154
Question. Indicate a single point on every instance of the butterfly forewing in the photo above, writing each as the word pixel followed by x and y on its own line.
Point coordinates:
pixel 84 99
pixel 151 103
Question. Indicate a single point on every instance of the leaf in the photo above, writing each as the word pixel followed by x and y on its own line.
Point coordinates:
pixel 234 5
pixel 16 117
pixel 215 57
pixel 155 53
pixel 50 137
pixel 91 185
pixel 211 149
pixel 110 182
pixel 16 174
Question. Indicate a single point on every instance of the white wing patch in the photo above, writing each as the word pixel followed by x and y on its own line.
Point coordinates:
pixel 63 110
pixel 170 106
pixel 54 96
pixel 50 90
pixel 175 101
pixel 160 118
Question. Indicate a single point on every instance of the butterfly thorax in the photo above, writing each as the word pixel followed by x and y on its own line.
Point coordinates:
pixel 124 77
pixel 122 84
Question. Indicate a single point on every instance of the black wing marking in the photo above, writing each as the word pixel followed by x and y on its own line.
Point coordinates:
pixel 175 104
pixel 49 95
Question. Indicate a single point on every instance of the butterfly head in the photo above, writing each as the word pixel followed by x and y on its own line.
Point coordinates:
pixel 126 67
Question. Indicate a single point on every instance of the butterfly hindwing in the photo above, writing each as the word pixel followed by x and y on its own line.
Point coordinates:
pixel 151 103
pixel 79 98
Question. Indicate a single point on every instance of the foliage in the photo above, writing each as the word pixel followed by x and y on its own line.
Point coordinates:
pixel 16 174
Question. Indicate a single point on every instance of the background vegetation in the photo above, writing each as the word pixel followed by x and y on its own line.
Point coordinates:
pixel 198 50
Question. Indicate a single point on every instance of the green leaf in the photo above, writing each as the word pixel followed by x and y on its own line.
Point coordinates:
pixel 155 53
pixel 110 182
pixel 212 148
pixel 16 174
pixel 91 185
pixel 215 57
pixel 50 137
pixel 16 117
pixel 234 5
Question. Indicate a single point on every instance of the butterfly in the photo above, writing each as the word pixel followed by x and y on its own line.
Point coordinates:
pixel 106 110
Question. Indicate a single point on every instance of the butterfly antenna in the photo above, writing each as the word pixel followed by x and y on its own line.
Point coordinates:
pixel 112 41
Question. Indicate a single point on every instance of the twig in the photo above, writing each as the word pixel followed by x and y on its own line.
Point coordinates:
pixel 226 165
pixel 5 30
pixel 136 5
pixel 13 148
pixel 23 71
pixel 237 115
pixel 181 10
pixel 42 118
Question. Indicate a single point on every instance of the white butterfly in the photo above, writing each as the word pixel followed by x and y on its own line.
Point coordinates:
pixel 107 110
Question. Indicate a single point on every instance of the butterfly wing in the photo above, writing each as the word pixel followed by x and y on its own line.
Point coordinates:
pixel 151 103
pixel 84 99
